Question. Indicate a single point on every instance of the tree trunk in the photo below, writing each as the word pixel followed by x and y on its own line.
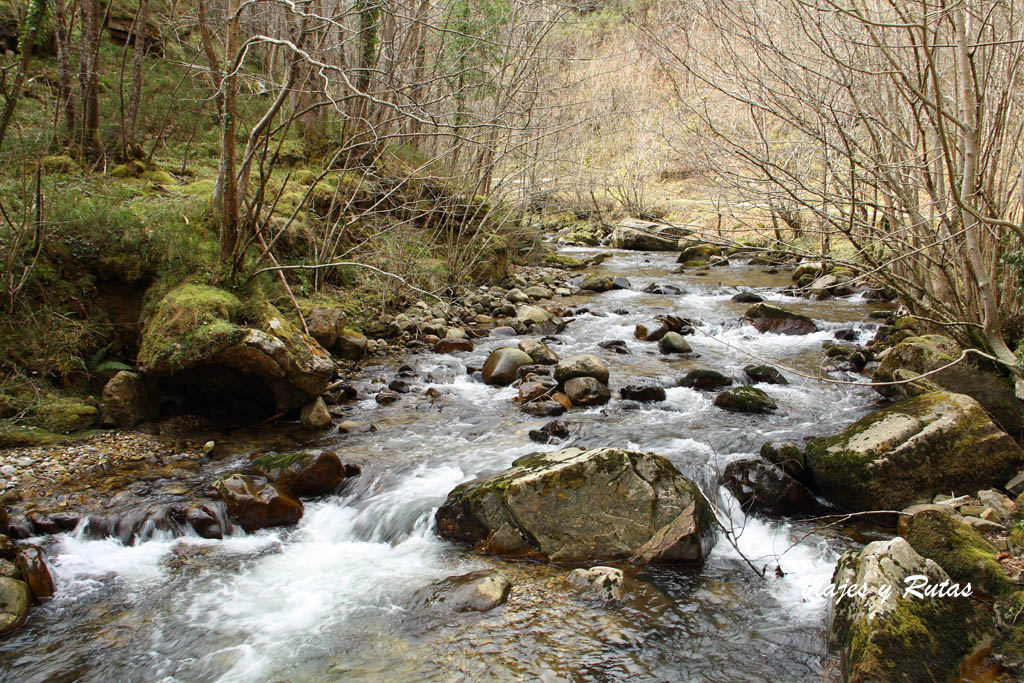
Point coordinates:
pixel 141 35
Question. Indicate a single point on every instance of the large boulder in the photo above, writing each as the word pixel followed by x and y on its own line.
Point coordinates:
pixel 217 349
pixel 128 399
pixel 888 635
pixel 14 602
pixel 763 487
pixel 745 399
pixel 314 473
pixel 768 318
pixel 938 442
pixel 501 366
pixel 637 235
pixel 929 352
pixel 575 506
pixel 257 505
pixel 583 365
pixel 597 283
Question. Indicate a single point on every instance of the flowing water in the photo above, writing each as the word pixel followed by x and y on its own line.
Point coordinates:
pixel 342 595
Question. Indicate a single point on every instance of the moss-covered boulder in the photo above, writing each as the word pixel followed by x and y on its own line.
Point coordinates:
pixel 213 346
pixel 889 635
pixel 575 505
pixel 1008 647
pixel 313 473
pixel 938 442
pixel 768 318
pixel 704 379
pixel 255 505
pixel 14 602
pixel 745 399
pixel 929 352
pixel 965 554
pixel 698 251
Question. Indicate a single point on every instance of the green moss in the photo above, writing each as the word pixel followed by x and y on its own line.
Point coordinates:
pixel 958 548
pixel 17 436
pixel 279 461
pixel 304 176
pixel 131 169
pixel 64 414
pixel 58 164
pixel 563 261
pixel 160 177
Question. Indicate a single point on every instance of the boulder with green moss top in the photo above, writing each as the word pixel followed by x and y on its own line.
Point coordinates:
pixel 957 547
pixel 930 352
pixel 889 635
pixel 938 442
pixel 697 251
pixel 745 399
pixel 314 473
pixel 768 318
pixel 575 505
pixel 206 338
pixel 255 505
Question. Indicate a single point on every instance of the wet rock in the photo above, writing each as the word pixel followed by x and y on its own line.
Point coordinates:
pixel 664 289
pixel 762 487
pixel 587 391
pixel 543 408
pixel 645 393
pixel 536 388
pixel 584 365
pixel 14 602
pixel 8 550
pixel 768 318
pixel 845 335
pixel 849 358
pixel 501 366
pixel 908 452
pixel 42 524
pixel 929 352
pixel 747 298
pixel 886 632
pixel 314 415
pixel 965 554
pixel 386 398
pixel 597 283
pixel 764 374
pixel 128 399
pixel 503 331
pixel 204 521
pixel 552 432
pixel 637 235
pixel 601 583
pixel 34 571
pixel 745 399
pixel 257 505
pixel 790 458
pixel 673 343
pixel 538 351
pixel 616 345
pixel 346 393
pixel 525 371
pixel 453 346
pixel 563 506
pixel 18 527
pixel 9 570
pixel 539 320
pixel 621 283
pixel 399 386
pixel 474 592
pixel 704 379
pixel 650 331
pixel 537 292
pixel 562 399
pixel 698 251
pixel 353 427
pixel 65 521
pixel 306 474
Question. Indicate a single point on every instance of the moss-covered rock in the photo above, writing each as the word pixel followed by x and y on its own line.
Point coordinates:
pixel 765 488
pixel 64 414
pixel 768 318
pixel 644 236
pixel 576 505
pixel 891 636
pixel 698 251
pixel 745 399
pixel 1008 647
pixel 925 353
pixel 966 555
pixel 58 164
pixel 196 326
pixel 908 452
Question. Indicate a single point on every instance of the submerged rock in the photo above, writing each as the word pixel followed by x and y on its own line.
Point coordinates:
pixel 745 399
pixel 938 442
pixel 501 366
pixel 576 505
pixel 257 505
pixel 887 633
pixel 768 318
pixel 552 432
pixel 602 583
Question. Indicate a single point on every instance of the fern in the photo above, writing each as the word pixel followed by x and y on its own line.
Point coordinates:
pixel 110 367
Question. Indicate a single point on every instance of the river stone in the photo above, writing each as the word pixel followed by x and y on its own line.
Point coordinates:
pixel 501 366
pixel 762 487
pixel 929 352
pixel 517 296
pixel 474 592
pixel 704 379
pixel 453 345
pixel 673 342
pixel 790 458
pixel 745 399
pixel 204 522
pixel 553 431
pixel 537 292
pixel 908 452
pixel 747 298
pixel 306 474
pixel 587 391
pixel 584 365
pixel 257 505
pixel 597 283
pixel 664 289
pixel 764 374
pixel 8 569
pixel 535 388
pixel 576 506
pixel 14 601
pixel 1004 508
pixel 768 318
pixel 650 331
pixel 539 320
pixel 621 283
pixel 645 393
pixel 602 583
pixel 885 632
pixel 636 235
pixel 128 399
pixel 965 554
pixel 34 571
pixel 544 408
pixel 314 415
pixel 698 251
pixel 538 351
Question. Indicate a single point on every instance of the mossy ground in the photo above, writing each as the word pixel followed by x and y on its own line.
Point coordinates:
pixel 966 555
